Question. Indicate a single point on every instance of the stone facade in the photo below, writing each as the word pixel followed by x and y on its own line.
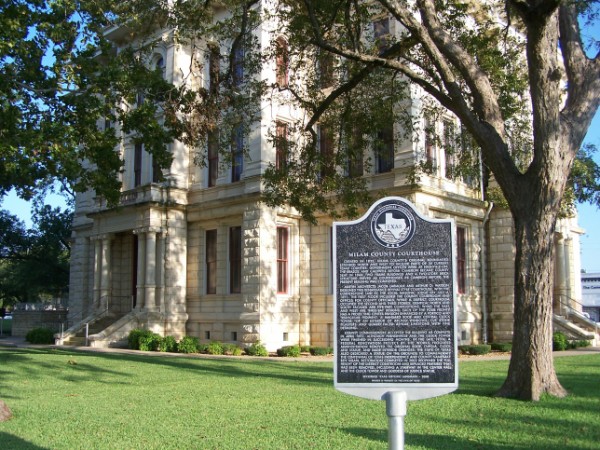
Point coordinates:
pixel 146 263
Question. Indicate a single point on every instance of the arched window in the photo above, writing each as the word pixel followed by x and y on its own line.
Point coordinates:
pixel 159 65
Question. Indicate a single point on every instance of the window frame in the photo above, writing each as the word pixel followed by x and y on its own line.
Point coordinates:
pixel 283 259
pixel 461 259
pixel 385 150
pixel 237 154
pixel 281 145
pixel 212 155
pixel 282 62
pixel 326 152
pixel 210 260
pixel 138 153
pixel 235 259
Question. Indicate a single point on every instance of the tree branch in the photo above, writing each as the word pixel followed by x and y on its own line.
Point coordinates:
pixel 583 76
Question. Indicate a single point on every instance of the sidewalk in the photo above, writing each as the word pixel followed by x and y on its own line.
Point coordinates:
pixel 20 342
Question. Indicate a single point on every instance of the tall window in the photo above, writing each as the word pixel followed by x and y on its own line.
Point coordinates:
pixel 326 151
pixel 282 62
pixel 235 260
pixel 282 260
pixel 137 164
pixel 355 159
pixel 384 150
pixel 430 156
pixel 461 259
pixel 238 64
pixel 213 157
pixel 325 70
pixel 281 145
pixel 211 261
pixel 214 63
pixel 237 154
pixel 381 32
pixel 449 148
pixel 160 66
pixel 156 171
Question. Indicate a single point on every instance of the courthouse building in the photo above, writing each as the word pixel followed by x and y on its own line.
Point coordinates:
pixel 199 254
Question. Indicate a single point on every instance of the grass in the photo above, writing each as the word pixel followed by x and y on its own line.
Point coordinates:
pixel 74 400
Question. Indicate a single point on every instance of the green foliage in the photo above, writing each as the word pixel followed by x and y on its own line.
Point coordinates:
pixel 167 344
pixel 305 348
pixel 150 342
pixel 34 263
pixel 559 341
pixel 215 348
pixel 321 351
pixel 289 350
pixel 501 346
pixel 40 336
pixel 584 180
pixel 188 344
pixel 142 339
pixel 231 349
pixel 256 349
pixel 202 348
pixel 579 344
pixel 480 349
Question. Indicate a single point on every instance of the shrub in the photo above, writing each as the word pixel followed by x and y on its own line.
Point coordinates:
pixel 215 348
pixel 501 346
pixel 40 336
pixel 202 348
pixel 321 351
pixel 167 344
pixel 256 349
pixel 231 349
pixel 481 349
pixel 579 344
pixel 305 348
pixel 150 342
pixel 142 339
pixel 188 344
pixel 289 350
pixel 559 341
pixel 133 339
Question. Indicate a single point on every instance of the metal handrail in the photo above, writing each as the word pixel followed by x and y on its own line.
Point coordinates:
pixel 567 302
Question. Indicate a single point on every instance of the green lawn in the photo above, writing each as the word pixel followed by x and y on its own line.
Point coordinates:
pixel 73 400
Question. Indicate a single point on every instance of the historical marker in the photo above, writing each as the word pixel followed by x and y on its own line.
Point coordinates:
pixel 395 318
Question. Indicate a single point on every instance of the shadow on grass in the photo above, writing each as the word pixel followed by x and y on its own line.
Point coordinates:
pixel 317 373
pixel 9 441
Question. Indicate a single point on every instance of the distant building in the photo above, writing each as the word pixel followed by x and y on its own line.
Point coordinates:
pixel 590 299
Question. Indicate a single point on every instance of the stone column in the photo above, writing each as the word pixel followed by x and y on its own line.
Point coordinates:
pixel 97 268
pixel 150 287
pixel 559 272
pixel 568 249
pixel 105 271
pixel 141 269
pixel 85 276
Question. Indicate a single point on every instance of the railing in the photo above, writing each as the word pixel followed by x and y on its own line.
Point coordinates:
pixel 573 308
pixel 117 305
pixel 55 305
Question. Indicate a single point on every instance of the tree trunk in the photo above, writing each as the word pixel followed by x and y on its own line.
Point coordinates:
pixel 531 370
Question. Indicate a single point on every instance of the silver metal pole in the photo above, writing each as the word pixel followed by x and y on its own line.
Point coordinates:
pixel 395 403
pixel 87 331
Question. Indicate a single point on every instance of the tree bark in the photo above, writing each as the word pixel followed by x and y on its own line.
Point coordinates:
pixel 531 371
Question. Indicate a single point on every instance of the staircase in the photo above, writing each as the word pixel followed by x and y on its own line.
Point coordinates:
pixel 576 325
pixel 94 327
